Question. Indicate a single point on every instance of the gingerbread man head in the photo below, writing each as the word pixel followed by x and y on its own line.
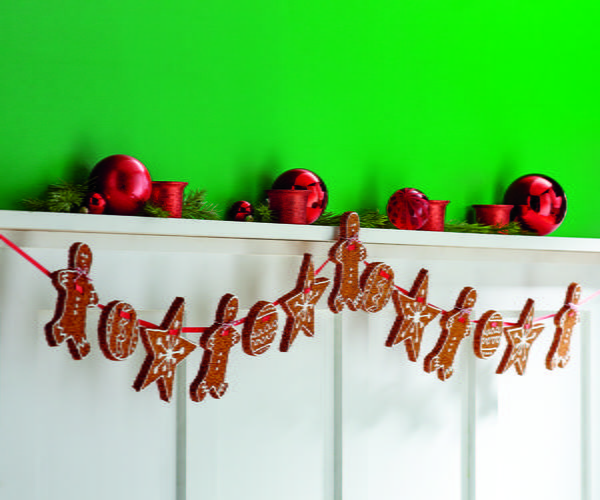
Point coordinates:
pixel 228 309
pixel 80 257
pixel 349 225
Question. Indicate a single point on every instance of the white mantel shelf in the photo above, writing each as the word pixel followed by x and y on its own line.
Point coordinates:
pixel 107 224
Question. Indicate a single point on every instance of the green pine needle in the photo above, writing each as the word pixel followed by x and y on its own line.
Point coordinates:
pixel 60 197
pixel 195 206
pixel 151 210
pixel 262 213
pixel 465 227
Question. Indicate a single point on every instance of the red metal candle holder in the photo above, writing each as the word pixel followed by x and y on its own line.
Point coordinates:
pixel 437 215
pixel 289 205
pixel 168 195
pixel 493 215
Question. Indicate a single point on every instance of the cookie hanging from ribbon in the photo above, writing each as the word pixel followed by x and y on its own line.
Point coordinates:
pixel 347 254
pixel 456 325
pixel 217 342
pixel 414 313
pixel 75 294
pixel 520 337
pixel 565 321
pixel 118 330
pixel 299 304
pixel 165 350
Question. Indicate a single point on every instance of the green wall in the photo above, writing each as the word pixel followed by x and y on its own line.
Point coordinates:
pixel 454 97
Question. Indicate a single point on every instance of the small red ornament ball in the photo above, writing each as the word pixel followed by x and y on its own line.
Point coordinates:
pixel 123 182
pixel 96 203
pixel 408 208
pixel 241 210
pixel 300 178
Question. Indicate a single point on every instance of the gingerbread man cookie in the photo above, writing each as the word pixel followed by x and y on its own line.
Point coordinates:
pixel 299 304
pixel 75 294
pixel 456 326
pixel 165 350
pixel 347 254
pixel 217 342
pixel 118 330
pixel 376 283
pixel 565 321
pixel 413 315
pixel 520 337
pixel 260 328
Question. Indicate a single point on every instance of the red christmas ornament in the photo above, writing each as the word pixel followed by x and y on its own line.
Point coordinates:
pixel 124 182
pixel 408 208
pixel 241 210
pixel 300 178
pixel 96 203
pixel 540 203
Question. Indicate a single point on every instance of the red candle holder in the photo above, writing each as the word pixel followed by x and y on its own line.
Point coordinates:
pixel 437 215
pixel 168 195
pixel 289 205
pixel 493 215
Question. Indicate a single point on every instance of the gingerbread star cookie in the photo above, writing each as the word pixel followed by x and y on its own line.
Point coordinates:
pixel 413 315
pixel 299 304
pixel 456 325
pixel 565 321
pixel 520 337
pixel 75 294
pixel 217 342
pixel 347 254
pixel 165 350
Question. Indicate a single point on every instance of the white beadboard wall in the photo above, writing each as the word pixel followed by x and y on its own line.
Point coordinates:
pixel 339 417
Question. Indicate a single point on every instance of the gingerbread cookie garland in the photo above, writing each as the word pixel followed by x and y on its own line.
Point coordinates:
pixel 118 330
pixel 520 337
pixel 347 254
pixel 260 328
pixel 413 314
pixel 488 334
pixel 165 350
pixel 75 294
pixel 456 326
pixel 217 342
pixel 565 320
pixel 299 304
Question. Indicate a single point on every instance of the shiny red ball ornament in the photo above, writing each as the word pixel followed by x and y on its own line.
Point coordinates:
pixel 241 210
pixel 96 204
pixel 124 182
pixel 540 204
pixel 408 208
pixel 300 178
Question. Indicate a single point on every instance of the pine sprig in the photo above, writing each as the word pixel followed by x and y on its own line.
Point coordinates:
pixel 151 210
pixel 466 227
pixel 60 197
pixel 196 207
pixel 262 213
pixel 368 219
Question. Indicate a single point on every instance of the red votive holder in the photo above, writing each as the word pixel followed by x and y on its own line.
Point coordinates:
pixel 437 215
pixel 289 205
pixel 493 215
pixel 168 195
